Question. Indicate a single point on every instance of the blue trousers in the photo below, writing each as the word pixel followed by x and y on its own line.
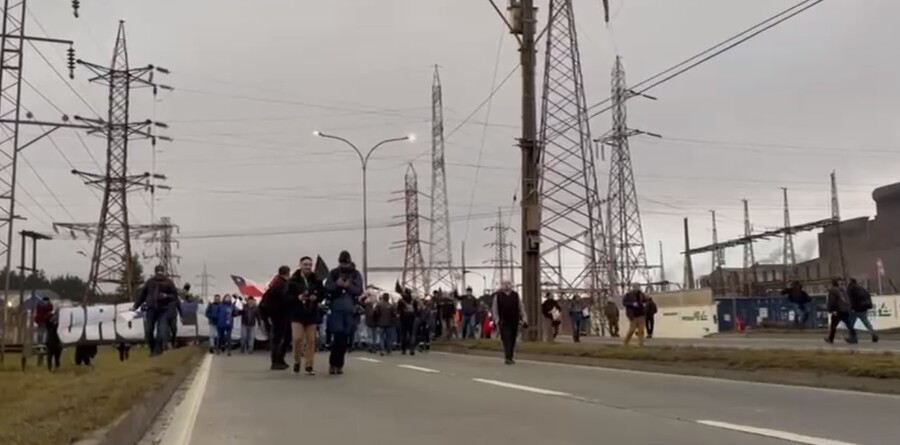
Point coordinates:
pixel 223 337
pixel 156 330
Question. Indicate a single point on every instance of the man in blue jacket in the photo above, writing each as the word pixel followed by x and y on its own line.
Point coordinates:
pixel 343 289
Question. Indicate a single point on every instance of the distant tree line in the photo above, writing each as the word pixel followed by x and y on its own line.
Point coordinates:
pixel 72 287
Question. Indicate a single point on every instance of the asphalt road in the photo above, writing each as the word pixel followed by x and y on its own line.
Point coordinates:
pixel 804 343
pixel 448 399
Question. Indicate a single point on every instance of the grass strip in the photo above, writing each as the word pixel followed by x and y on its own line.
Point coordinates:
pixel 38 407
pixel 843 363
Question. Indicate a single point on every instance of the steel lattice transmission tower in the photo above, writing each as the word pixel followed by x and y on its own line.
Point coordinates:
pixel 571 220
pixel 414 275
pixel 111 259
pixel 749 256
pixel 440 259
pixel 502 261
pixel 788 256
pixel 627 254
pixel 204 283
pixel 164 239
pixel 718 255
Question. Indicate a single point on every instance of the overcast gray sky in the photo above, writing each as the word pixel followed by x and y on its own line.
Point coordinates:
pixel 254 79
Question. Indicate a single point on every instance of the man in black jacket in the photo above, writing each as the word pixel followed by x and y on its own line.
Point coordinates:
pixel 799 297
pixel 304 294
pixel 408 311
pixel 509 312
pixel 860 305
pixel 155 297
pixel 273 305
pixel 838 304
pixel 635 309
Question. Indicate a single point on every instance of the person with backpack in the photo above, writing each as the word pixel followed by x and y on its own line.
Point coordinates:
pixel 635 309
pixel 838 305
pixel 860 305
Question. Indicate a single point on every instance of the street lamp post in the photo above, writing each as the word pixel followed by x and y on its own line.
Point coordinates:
pixel 483 278
pixel 364 161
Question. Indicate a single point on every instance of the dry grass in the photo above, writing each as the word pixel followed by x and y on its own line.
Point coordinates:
pixel 849 363
pixel 38 407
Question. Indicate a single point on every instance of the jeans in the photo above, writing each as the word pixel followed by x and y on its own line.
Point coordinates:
pixel 212 335
pixel 468 326
pixel 385 338
pixel 223 337
pixel 156 330
pixel 577 318
pixel 247 338
pixel 864 318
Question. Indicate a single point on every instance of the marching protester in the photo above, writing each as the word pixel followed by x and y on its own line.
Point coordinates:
pixel 155 296
pixel 469 308
pixel 369 308
pixel 509 312
pixel 425 330
pixel 634 302
pixel 173 311
pixel 225 314
pixel 343 289
pixel 273 307
pixel 211 313
pixel 384 317
pixel 651 316
pixel 41 314
pixel 838 304
pixel 611 312
pixel 486 322
pixel 52 342
pixel 249 321
pixel 304 293
pixel 576 316
pixel 408 310
pixel 861 304
pixel 446 311
pixel 551 311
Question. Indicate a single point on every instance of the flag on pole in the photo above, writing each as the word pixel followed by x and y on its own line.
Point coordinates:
pixel 321 270
pixel 247 288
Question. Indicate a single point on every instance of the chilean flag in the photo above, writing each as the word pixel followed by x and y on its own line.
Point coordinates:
pixel 247 288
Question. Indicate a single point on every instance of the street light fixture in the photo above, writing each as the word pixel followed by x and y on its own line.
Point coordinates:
pixel 364 162
pixel 484 278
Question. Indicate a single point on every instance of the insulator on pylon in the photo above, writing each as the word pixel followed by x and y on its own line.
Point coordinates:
pixel 71 60
pixel 75 5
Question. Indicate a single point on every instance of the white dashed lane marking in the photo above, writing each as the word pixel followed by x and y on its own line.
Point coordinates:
pixel 766 432
pixel 370 360
pixel 418 368
pixel 545 392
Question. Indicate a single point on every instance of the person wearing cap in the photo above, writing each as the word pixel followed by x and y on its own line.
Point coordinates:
pixel 155 297
pixel 468 307
pixel 343 289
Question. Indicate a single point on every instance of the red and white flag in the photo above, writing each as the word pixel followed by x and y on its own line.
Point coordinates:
pixel 247 288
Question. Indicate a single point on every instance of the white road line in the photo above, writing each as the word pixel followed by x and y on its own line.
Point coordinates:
pixel 182 427
pixel 417 368
pixel 545 392
pixel 783 435
pixel 678 376
pixel 370 360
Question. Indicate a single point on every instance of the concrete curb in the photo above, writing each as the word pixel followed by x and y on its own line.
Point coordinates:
pixel 781 377
pixel 129 428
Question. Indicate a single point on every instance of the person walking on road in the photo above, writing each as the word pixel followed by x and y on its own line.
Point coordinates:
pixel 469 308
pixel 304 293
pixel 576 316
pixel 651 316
pixel 211 321
pixel 861 304
pixel 225 314
pixel 635 309
pixel 408 310
pixel 446 312
pixel 838 305
pixel 343 289
pixel 155 297
pixel 274 306
pixel 611 312
pixel 249 321
pixel 509 312
pixel 385 318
